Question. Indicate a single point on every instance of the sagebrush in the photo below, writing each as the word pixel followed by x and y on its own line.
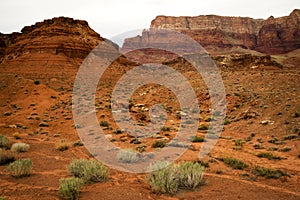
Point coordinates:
pixel 69 188
pixel 20 168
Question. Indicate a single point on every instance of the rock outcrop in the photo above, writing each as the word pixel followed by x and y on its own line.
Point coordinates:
pixel 73 38
pixel 215 33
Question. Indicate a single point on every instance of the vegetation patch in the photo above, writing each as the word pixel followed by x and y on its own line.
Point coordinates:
pixel 4 142
pixel 234 163
pixel 269 156
pixel 6 157
pixel 20 168
pixel 268 173
pixel 159 144
pixel 69 188
pixel 89 170
pixel 20 147
pixel 128 156
pixel 187 175
pixel 197 139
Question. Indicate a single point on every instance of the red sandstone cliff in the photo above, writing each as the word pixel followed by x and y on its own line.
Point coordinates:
pixel 272 36
pixel 72 38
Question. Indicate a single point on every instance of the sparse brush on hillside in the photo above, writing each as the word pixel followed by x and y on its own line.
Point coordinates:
pixel 129 156
pixel 89 170
pixel 20 147
pixel 234 163
pixel 20 168
pixel 6 157
pixel 4 142
pixel 268 173
pixel 187 175
pixel 69 188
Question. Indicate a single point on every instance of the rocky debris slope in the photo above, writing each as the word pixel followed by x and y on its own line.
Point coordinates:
pixel 272 36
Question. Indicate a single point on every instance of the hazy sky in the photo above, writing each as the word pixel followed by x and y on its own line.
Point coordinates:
pixel 112 17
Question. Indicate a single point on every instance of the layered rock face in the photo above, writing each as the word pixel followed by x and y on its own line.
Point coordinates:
pixel 273 36
pixel 72 38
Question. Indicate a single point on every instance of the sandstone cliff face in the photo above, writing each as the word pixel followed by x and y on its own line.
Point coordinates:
pixel 73 38
pixel 271 36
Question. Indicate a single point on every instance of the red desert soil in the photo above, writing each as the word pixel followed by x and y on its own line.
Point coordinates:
pixel 254 94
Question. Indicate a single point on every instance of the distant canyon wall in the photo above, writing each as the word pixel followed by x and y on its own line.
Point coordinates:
pixel 271 36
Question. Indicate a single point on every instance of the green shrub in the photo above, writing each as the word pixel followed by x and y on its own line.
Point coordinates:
pixel 268 173
pixel 234 163
pixel 169 179
pixel 69 188
pixel 268 156
pixel 203 127
pixel 76 168
pixel 159 144
pixel 89 170
pixel 165 180
pixel 128 156
pixel 95 171
pixel 6 157
pixel 238 142
pixel 104 123
pixel 20 147
pixel 190 174
pixel 290 137
pixel 2 198
pixel 165 128
pixel 77 144
pixel 196 139
pixel 226 122
pixel 20 168
pixel 62 145
pixel 4 142
pixel 36 82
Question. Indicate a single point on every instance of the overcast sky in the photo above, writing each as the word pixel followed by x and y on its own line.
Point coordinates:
pixel 112 17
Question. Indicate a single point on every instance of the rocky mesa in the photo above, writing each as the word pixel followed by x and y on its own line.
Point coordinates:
pixel 217 33
pixel 73 38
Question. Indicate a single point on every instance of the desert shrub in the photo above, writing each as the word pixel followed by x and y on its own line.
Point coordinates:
pixel 238 142
pixel 190 174
pixel 158 144
pixel 290 137
pixel 20 147
pixel 62 145
pixel 226 122
pixel 20 168
pixel 69 188
pixel 6 157
pixel 268 156
pixel 77 166
pixel 36 82
pixel 234 163
pixel 268 173
pixel 141 148
pixel 196 139
pixel 128 156
pixel 165 180
pixel 104 123
pixel 89 170
pixel 168 178
pixel 203 127
pixel 77 144
pixel 2 198
pixel 165 128
pixel 174 143
pixel 95 171
pixel 4 142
